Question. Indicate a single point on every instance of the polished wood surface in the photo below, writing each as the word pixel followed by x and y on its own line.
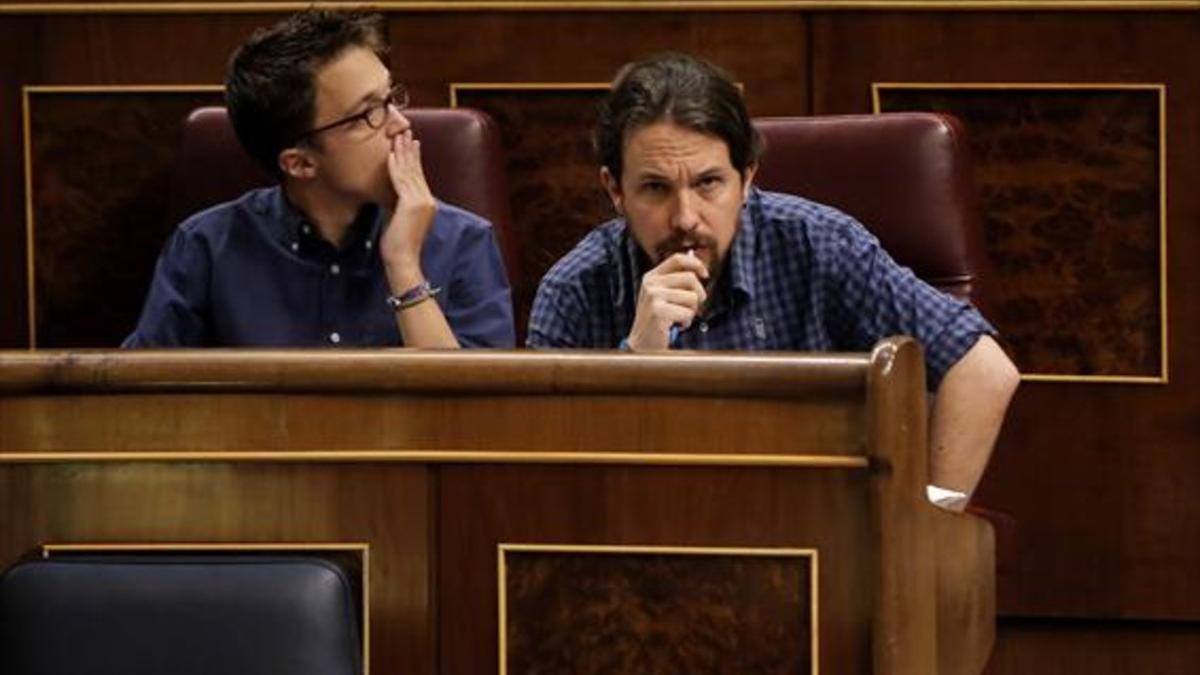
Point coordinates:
pixel 1032 646
pixel 699 506
pixel 436 459
pixel 480 372
pixel 906 569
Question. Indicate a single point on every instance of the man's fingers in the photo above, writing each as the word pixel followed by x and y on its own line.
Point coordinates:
pixel 404 167
pixel 676 296
pixel 685 280
pixel 682 262
pixel 672 313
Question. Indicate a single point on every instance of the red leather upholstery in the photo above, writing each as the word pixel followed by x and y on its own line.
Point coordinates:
pixel 460 149
pixel 906 176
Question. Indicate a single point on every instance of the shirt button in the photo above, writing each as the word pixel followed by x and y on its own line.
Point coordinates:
pixel 306 229
pixel 334 269
pixel 295 246
pixel 369 244
pixel 703 326
pixel 335 338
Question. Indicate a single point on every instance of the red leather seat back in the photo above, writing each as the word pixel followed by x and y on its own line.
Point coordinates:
pixel 906 176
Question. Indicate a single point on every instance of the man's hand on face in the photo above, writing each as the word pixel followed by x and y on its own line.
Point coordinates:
pixel 414 212
pixel 671 294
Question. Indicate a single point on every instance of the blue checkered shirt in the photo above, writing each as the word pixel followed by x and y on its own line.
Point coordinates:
pixel 800 276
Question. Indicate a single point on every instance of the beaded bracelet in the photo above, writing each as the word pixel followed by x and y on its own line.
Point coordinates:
pixel 412 297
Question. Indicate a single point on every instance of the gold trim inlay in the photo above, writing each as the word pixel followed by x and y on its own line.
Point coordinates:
pixel 502 550
pixel 218 547
pixel 27 92
pixel 122 89
pixel 443 456
pixel 1161 89
pixel 27 145
pixel 361 549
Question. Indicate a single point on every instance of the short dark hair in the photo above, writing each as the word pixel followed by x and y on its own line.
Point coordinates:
pixel 678 88
pixel 269 84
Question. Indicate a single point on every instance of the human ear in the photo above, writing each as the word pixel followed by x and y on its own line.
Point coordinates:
pixel 748 180
pixel 297 163
pixel 613 187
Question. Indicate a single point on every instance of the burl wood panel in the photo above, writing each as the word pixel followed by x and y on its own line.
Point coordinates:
pixel 598 613
pixel 553 179
pixel 101 174
pixel 1069 186
pixel 668 506
pixel 86 49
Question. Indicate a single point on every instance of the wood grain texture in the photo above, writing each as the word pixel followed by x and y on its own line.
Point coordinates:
pixel 1050 647
pixel 555 189
pixel 101 172
pixel 587 612
pixel 648 506
pixel 905 577
pixel 586 402
pixel 1069 183
pixel 434 523
pixel 20 36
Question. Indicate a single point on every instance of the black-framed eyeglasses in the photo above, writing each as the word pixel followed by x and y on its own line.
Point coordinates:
pixel 375 116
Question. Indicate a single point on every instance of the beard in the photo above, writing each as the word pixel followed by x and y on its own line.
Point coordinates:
pixel 704 246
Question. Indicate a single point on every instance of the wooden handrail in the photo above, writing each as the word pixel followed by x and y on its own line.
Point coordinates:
pixel 404 370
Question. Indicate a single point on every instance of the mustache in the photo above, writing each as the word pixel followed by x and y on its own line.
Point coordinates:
pixel 681 244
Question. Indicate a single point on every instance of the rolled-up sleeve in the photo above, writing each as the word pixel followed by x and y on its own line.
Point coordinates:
pixel 479 304
pixel 877 297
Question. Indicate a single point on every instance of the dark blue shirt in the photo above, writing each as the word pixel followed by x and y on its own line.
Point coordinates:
pixel 254 272
pixel 799 276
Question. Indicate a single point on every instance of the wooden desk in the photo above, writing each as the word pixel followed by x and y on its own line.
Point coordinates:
pixel 693 503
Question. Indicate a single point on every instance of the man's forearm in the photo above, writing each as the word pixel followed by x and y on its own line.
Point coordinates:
pixel 967 414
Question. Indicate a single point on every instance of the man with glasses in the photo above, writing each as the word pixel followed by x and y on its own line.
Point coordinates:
pixel 351 248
